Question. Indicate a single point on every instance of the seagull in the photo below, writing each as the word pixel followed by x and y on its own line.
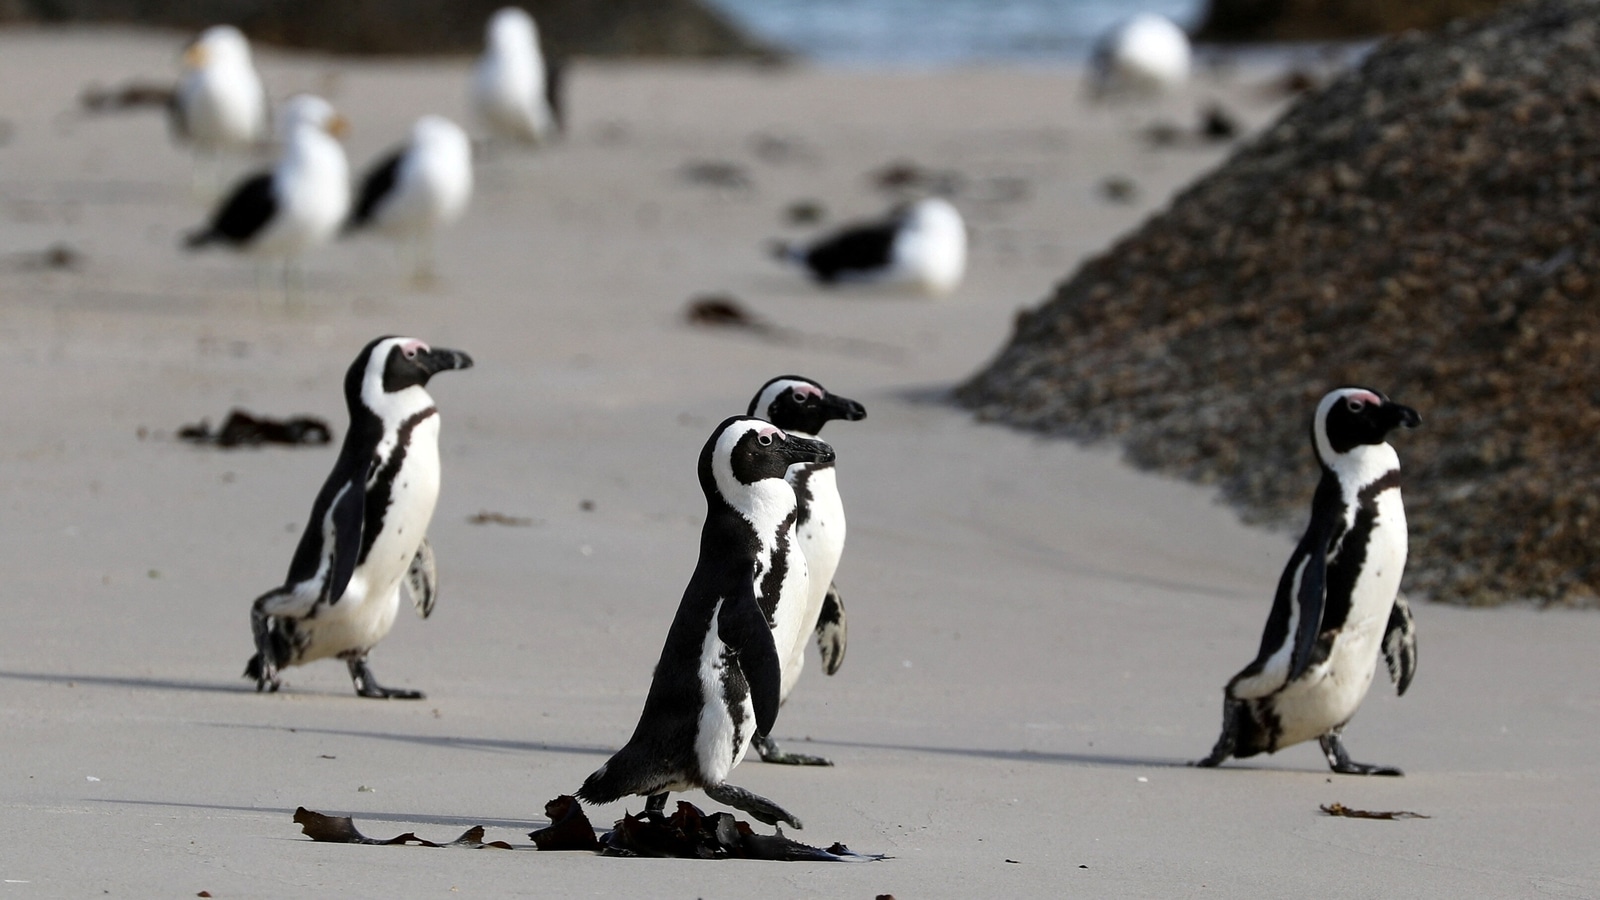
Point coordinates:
pixel 219 105
pixel 921 244
pixel 417 189
pixel 514 90
pixel 297 205
pixel 1147 54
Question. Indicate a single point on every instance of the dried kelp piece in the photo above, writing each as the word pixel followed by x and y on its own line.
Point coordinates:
pixel 723 311
pixel 342 830
pixel 1339 809
pixel 717 174
pixel 486 517
pixel 241 429
pixel 691 834
pixel 569 827
pixel 907 177
pixel 130 95
pixel 55 258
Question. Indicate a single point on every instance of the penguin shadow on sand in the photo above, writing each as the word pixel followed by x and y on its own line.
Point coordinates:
pixel 520 824
pixel 114 681
pixel 445 741
pixel 998 753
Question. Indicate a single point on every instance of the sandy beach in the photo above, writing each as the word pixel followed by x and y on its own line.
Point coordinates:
pixel 1039 634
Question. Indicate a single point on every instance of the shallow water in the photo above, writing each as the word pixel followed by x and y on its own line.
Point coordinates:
pixel 916 33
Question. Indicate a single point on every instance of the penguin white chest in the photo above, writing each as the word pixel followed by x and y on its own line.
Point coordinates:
pixel 365 614
pixel 821 538
pixel 1331 691
pixel 789 623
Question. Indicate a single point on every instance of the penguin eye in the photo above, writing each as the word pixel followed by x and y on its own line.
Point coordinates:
pixel 764 440
pixel 1354 405
pixel 410 353
pixel 798 397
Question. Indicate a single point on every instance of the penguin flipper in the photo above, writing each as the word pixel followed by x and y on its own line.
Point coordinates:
pixel 1313 593
pixel 742 626
pixel 832 631
pixel 422 580
pixel 1400 644
pixel 348 518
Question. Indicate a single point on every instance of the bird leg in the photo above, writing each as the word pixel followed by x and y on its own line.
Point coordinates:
pixel 423 276
pixel 367 686
pixel 1231 710
pixel 759 807
pixel 770 752
pixel 1339 759
pixel 655 806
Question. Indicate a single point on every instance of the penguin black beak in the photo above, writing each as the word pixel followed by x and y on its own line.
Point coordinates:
pixel 837 407
pixel 803 450
pixel 438 360
pixel 1404 416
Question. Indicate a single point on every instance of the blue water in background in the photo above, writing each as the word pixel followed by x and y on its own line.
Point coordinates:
pixel 923 33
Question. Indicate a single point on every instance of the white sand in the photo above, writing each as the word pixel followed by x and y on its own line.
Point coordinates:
pixel 1039 634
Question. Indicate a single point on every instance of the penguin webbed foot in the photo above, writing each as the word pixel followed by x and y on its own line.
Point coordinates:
pixel 1228 740
pixel 760 808
pixel 264 673
pixel 368 686
pixel 1339 759
pixel 770 752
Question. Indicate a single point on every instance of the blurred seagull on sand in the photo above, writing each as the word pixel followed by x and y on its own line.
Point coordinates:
pixel 297 205
pixel 514 91
pixel 219 105
pixel 1148 54
pixel 922 245
pixel 413 191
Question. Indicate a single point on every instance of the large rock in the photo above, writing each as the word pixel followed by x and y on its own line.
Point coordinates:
pixel 1299 20
pixel 567 27
pixel 1428 225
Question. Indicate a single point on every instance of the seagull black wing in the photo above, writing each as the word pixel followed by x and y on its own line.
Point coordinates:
pixel 243 216
pixel 862 248
pixel 375 189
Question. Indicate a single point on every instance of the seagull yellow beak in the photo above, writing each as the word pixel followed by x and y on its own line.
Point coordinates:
pixel 194 56
pixel 338 126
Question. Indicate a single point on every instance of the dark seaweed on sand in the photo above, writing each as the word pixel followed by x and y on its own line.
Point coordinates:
pixel 241 429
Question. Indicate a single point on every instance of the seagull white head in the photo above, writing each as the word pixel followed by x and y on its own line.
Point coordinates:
pixel 511 30
pixel 310 110
pixel 219 45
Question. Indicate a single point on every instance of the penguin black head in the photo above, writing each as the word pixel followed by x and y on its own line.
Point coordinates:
pixel 746 458
pixel 390 365
pixel 795 403
pixel 1350 417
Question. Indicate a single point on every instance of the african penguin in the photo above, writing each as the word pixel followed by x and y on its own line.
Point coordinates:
pixel 922 245
pixel 367 534
pixel 801 407
pixel 515 89
pixel 718 680
pixel 1338 604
